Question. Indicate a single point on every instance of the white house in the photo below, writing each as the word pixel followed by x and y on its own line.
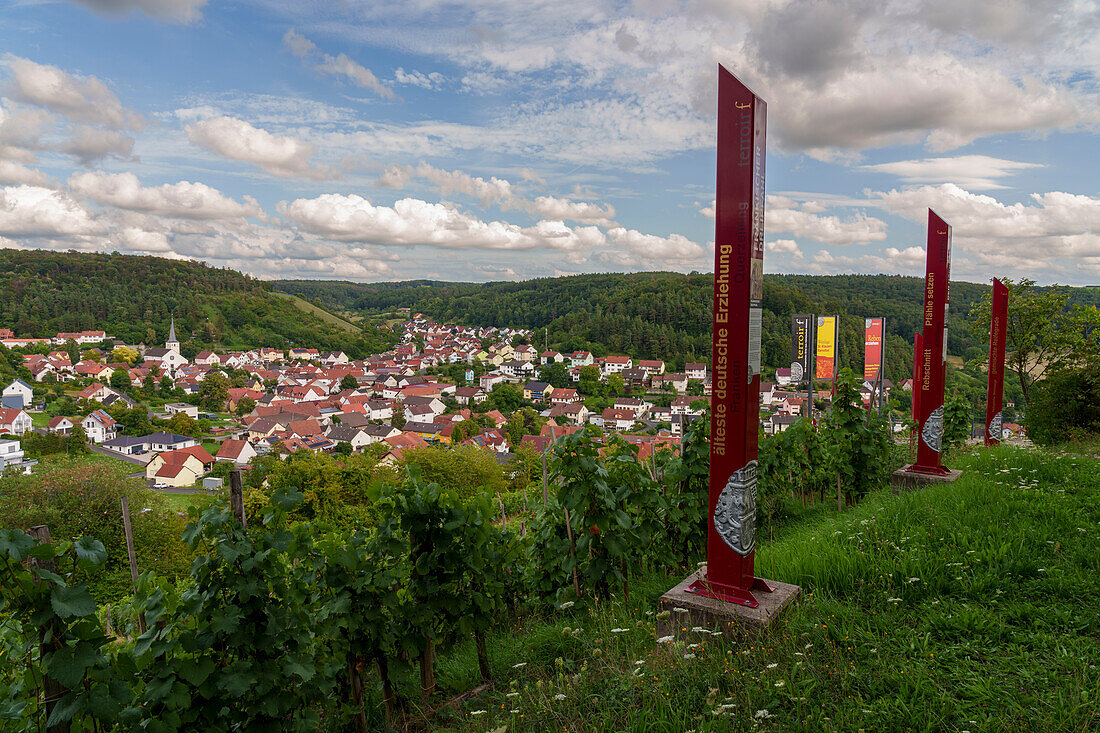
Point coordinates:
pixel 99 426
pixel 20 390
pixel 174 408
pixel 14 421
pixel 239 452
pixel 696 371
pixel 11 453
pixel 616 364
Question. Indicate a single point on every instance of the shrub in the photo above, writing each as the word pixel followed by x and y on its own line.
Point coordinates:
pixel 1065 406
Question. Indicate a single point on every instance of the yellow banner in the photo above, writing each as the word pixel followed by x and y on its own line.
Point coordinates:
pixel 826 347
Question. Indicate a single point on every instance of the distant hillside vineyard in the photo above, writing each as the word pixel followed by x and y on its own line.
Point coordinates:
pixel 663 314
pixel 133 298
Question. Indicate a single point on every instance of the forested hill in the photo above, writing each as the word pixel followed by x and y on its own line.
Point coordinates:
pixel 133 299
pixel 668 315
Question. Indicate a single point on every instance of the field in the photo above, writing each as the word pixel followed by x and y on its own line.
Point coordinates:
pixel 324 315
pixel 973 606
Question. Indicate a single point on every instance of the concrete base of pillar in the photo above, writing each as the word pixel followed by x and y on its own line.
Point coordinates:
pixel 688 611
pixel 905 480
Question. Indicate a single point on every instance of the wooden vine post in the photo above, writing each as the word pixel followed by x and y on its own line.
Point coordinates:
pixel 236 497
pixel 48 635
pixel 129 531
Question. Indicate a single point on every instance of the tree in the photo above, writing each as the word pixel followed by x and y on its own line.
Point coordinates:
pixel 522 422
pixel 615 384
pixel 72 350
pixel 349 382
pixel 590 380
pixel 1044 332
pixel 214 391
pixel 124 354
pixel 694 387
pixel 398 420
pixel 1065 406
pixel 120 379
pixel 504 397
pixel 245 405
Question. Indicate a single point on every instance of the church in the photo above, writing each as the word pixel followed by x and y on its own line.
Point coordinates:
pixel 169 357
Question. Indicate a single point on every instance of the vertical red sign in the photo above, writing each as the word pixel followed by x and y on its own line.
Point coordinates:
pixel 872 348
pixel 918 351
pixel 933 355
pixel 738 290
pixel 998 331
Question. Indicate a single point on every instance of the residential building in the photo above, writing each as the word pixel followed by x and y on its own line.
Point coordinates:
pixel 17 395
pixel 99 426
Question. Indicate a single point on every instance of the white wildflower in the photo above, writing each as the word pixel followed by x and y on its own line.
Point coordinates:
pixel 521 664
pixel 689 655
pixel 761 714
pixel 515 710
pixel 512 694
pixel 567 604
pixel 914 580
pixel 559 696
pixel 639 662
pixel 780 683
pixel 677 609
pixel 665 640
pixel 477 712
pixel 619 631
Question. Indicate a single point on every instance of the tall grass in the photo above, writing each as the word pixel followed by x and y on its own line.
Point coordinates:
pixel 968 606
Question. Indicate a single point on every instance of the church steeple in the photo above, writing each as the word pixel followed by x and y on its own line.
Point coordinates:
pixel 172 344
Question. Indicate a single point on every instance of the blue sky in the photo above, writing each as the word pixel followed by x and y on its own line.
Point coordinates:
pixel 500 140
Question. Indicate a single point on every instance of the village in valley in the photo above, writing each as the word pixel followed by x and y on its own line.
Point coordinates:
pixel 443 385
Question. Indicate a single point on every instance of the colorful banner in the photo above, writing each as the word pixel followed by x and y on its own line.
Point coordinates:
pixel 801 336
pixel 874 348
pixel 738 290
pixel 998 331
pixel 828 336
pixel 933 357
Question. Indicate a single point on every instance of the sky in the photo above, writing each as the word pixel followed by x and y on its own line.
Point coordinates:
pixel 482 140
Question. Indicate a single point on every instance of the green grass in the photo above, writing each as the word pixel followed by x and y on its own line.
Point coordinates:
pixel 324 315
pixel 183 502
pixel 40 419
pixel 970 606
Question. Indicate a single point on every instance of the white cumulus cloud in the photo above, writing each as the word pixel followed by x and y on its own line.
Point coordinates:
pixel 410 222
pixel 184 199
pixel 279 155
pixel 82 99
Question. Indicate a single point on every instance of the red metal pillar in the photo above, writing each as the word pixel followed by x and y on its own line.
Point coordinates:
pixel 933 355
pixel 998 331
pixel 738 290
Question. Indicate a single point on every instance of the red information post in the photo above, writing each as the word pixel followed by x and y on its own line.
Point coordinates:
pixel 917 351
pixel 738 291
pixel 998 331
pixel 933 354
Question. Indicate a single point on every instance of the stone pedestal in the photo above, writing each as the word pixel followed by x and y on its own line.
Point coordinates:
pixel 688 611
pixel 905 480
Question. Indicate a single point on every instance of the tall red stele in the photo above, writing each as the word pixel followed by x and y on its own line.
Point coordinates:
pixel 738 290
pixel 998 331
pixel 933 355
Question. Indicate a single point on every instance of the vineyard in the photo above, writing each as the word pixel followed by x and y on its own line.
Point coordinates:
pixel 444 611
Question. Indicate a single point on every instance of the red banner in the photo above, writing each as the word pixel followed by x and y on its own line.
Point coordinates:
pixel 933 355
pixel 998 331
pixel 738 290
pixel 872 348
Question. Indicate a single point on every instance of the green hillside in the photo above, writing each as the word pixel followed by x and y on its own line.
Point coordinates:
pixel 134 298
pixel 665 315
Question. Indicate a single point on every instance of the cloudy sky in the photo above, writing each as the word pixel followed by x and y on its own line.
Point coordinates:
pixel 498 139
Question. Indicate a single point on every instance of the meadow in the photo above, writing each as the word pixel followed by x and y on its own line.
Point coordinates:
pixel 973 606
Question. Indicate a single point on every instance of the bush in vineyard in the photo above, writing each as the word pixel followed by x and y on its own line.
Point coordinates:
pixel 236 649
